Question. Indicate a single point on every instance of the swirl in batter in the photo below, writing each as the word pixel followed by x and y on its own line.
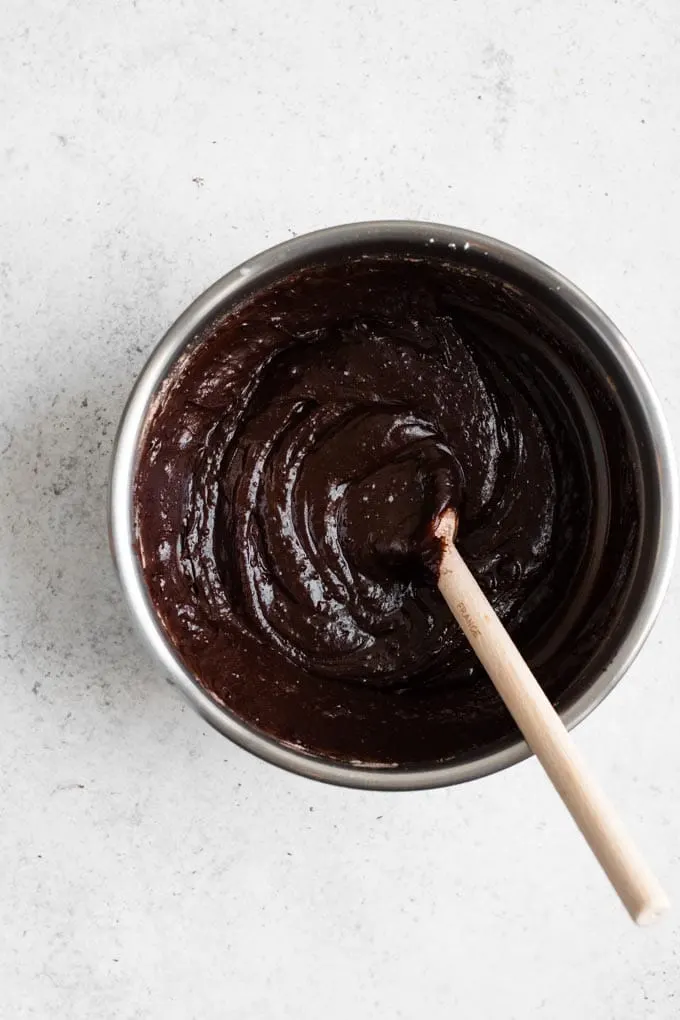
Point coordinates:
pixel 290 477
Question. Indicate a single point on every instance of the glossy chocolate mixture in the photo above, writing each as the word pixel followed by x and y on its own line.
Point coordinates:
pixel 288 482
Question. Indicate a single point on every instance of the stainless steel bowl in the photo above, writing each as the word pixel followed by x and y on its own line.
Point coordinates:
pixel 635 396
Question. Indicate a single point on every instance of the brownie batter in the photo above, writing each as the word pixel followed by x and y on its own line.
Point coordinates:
pixel 290 475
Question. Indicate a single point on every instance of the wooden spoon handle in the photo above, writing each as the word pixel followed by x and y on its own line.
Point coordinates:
pixel 546 735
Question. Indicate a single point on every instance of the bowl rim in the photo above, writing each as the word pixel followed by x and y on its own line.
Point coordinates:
pixel 236 284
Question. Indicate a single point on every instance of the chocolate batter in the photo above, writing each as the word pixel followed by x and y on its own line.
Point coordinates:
pixel 288 481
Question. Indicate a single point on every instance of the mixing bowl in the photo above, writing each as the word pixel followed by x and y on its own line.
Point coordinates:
pixel 610 358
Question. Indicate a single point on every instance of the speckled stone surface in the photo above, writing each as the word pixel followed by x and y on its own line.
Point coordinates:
pixel 148 869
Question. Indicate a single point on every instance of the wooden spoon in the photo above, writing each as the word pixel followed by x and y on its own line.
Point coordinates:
pixel 545 733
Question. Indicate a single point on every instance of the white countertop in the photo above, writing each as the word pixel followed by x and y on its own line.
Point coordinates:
pixel 148 869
